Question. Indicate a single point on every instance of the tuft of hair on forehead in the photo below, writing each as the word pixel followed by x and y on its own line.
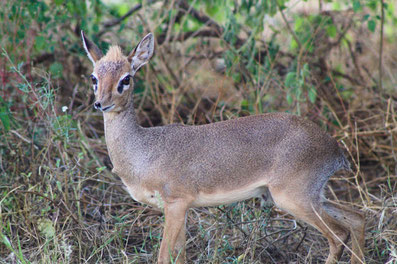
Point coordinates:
pixel 113 63
pixel 114 54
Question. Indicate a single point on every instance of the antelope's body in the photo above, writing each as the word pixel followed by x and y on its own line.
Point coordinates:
pixel 177 167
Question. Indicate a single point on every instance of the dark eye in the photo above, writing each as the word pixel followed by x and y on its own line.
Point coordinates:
pixel 126 80
pixel 94 80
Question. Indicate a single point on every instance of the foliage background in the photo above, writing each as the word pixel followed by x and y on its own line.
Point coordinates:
pixel 333 62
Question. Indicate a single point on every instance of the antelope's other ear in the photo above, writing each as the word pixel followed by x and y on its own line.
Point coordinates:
pixel 142 53
pixel 93 52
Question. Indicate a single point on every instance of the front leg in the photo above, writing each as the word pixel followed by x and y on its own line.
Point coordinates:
pixel 180 245
pixel 173 243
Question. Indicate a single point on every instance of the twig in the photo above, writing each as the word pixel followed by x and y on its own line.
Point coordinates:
pixel 382 21
pixel 75 89
pixel 116 21
pixel 171 22
pixel 354 59
pixel 341 34
pixel 53 202
pixel 23 138
pixel 289 27
pixel 336 236
pixel 200 16
pixel 232 221
pixel 345 76
pixel 190 34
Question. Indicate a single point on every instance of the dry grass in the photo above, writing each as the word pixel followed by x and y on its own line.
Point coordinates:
pixel 59 203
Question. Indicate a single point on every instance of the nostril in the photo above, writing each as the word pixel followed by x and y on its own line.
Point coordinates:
pixel 97 105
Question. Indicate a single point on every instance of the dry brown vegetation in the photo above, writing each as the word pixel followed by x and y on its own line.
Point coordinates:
pixel 59 203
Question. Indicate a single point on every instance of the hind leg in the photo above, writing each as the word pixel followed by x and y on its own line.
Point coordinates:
pixel 354 221
pixel 322 215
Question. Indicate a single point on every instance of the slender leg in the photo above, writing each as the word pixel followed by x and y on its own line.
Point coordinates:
pixel 174 229
pixel 354 221
pixel 332 221
pixel 180 245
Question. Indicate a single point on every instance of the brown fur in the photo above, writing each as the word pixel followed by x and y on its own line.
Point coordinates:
pixel 177 167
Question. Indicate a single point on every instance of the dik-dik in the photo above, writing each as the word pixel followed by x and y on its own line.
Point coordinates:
pixel 177 167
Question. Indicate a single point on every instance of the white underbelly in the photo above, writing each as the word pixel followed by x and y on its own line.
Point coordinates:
pixel 142 195
pixel 220 197
pixel 227 197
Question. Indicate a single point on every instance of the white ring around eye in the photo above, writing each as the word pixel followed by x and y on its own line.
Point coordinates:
pixel 125 87
pixel 124 75
pixel 95 86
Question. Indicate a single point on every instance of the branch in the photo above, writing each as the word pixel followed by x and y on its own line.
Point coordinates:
pixel 345 76
pixel 341 34
pixel 203 18
pixel 289 28
pixel 200 16
pixel 191 34
pixel 116 21
pixel 382 22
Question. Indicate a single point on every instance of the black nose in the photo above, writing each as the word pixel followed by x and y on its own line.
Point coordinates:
pixel 97 105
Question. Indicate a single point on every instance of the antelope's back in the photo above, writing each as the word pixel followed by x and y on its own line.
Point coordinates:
pixel 241 151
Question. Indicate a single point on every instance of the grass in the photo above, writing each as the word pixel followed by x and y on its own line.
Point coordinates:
pixel 59 202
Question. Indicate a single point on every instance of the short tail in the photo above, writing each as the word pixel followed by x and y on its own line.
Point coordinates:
pixel 344 163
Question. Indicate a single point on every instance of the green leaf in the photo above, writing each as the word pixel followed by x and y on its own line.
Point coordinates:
pixel 58 163
pixel 212 9
pixel 59 186
pixel 56 69
pixel 289 99
pixel 59 2
pixel 299 24
pixel 244 104
pixel 99 169
pixel 4 115
pixel 356 6
pixel 5 118
pixel 305 71
pixel 6 241
pixel 236 77
pixel 40 42
pixel 23 87
pixel 336 6
pixel 312 94
pixel 331 31
pixel 298 93
pixel 290 80
pixel 372 4
pixel 371 25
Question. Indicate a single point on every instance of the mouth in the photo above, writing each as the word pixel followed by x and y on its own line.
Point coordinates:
pixel 107 108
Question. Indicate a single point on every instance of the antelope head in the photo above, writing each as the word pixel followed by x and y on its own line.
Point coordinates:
pixel 113 72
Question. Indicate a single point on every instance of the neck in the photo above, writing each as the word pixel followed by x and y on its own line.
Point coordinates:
pixel 122 132
pixel 126 115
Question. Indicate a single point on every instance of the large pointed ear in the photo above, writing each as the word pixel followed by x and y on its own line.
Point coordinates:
pixel 93 52
pixel 142 53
